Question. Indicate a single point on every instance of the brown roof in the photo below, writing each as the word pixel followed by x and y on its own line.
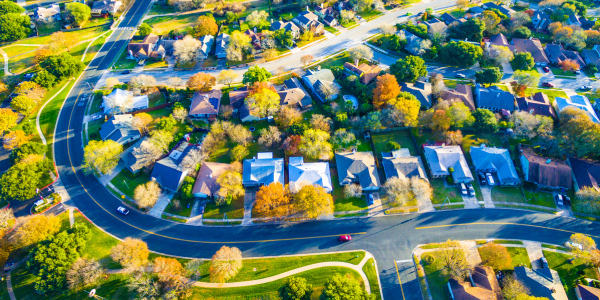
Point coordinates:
pixel 538 104
pixel 294 97
pixel 545 171
pixel 364 71
pixel 236 98
pixel 486 286
pixel 533 46
pixel 139 49
pixel 463 93
pixel 150 39
pixel 587 292
pixel 206 103
pixel 206 181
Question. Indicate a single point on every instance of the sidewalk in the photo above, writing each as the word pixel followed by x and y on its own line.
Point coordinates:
pixel 162 203
pixel 249 198
pixel 106 178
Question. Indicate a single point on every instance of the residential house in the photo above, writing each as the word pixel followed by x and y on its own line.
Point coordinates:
pixel 545 172
pixel 222 45
pixel 47 14
pixel 461 92
pixel 502 8
pixel 122 101
pixel 135 158
pixel 421 90
pixel 543 282
pixel 577 101
pixel 324 12
pixel 413 42
pixel 330 20
pixel 358 167
pixel 533 46
pixel 586 173
pixel 169 171
pixel 207 43
pixel 557 54
pixel 435 25
pixel 301 174
pixel 343 5
pixel 401 164
pixel 206 185
pixel 320 79
pixel 585 292
pixel 120 129
pixel 237 97
pixel 263 170
pixel 591 56
pixel 364 72
pixel 162 49
pixel 288 26
pixel 475 11
pixel 495 160
pixel 537 104
pixel 494 99
pixel 450 19
pixel 499 40
pixel 308 21
pixel 448 160
pixel 105 8
pixel 295 97
pixel 480 285
pixel 255 39
pixel 140 51
pixel 540 20
pixel 582 22
pixel 206 105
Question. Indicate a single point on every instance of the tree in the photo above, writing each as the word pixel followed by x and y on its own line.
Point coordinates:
pixel 321 122
pixel 144 29
pixel 501 54
pixel 130 253
pixel 512 288
pixel 77 13
pixel 587 245
pixel 315 144
pixel 14 26
pixel 406 109
pixel 273 200
pixel 522 33
pixel 578 134
pixel 45 79
pixel 409 69
pixel 568 65
pixel 352 191
pixel 343 139
pixel 346 16
pixel 239 152
pixel 6 215
pixel 524 61
pixel 231 185
pixel 284 37
pixel 328 90
pixel 306 59
pixel 485 120
pixel 146 195
pixel 161 139
pixel 398 190
pixel 388 30
pixel 36 228
pixel 344 288
pixel 15 139
pixel 256 18
pixel 440 122
pixel 59 41
pixel 142 82
pixel 256 74
pixel 291 144
pixel 22 104
pixel 462 4
pixel 31 90
pixel 143 285
pixel 8 119
pixel 186 49
pixel 225 264
pixel 453 262
pixel 387 89
pixel 460 53
pixel 360 52
pixel 62 65
pixel 239 46
pixel 265 101
pixel 471 30
pixel 180 114
pixel 21 181
pixel 421 189
pixel 8 7
pixel 489 75
pixel 527 78
pixel 240 135
pixel 295 288
pixel 141 121
pixel 495 256
pixel 490 19
pixel 226 77
pixel 41 53
pixel 167 268
pixel 202 82
pixel 288 116
pixel 313 201
pixel 460 114
pixel 269 136
pixel 207 25
pixel 84 272
pixel 102 156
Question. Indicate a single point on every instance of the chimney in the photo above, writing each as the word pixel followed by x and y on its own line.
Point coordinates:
pixel 210 175
pixel 307 8
pixel 321 5
pixel 356 62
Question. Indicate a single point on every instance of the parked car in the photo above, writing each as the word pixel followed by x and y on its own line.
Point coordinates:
pixel 370 199
pixel 567 200
pixel 544 262
pixel 546 69
pixel 559 200
pixel 573 245
pixel 460 75
pixel 7 267
pixel 471 190
pixel 123 210
pixel 345 238
pixel 490 178
pixel 126 72
pixel 585 87
pixel 577 72
pixel 463 189
pixel 548 84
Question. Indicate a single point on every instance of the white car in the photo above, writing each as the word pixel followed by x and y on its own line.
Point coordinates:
pixel 585 87
pixel 123 210
pixel 459 75
pixel 573 245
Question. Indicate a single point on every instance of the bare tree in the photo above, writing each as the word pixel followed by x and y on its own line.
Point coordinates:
pixel 180 114
pixel 226 112
pixel 142 82
pixel 186 49
pixel 225 264
pixel 288 116
pixel 421 189
pixel 438 34
pixel 5 216
pixel 306 59
pixel 360 52
pixel 269 136
pixel 388 29
pixel 398 190
pixel 437 84
pixel 227 77
pixel 111 82
pixel 175 81
pixel 454 137
pixel 328 90
pixel 454 263
pixel 146 154
pixel 240 135
pixel 84 272
pixel 420 47
pixel 352 191
pixel 193 158
pixel 147 194
pixel 161 139
pixel 143 285
pixel 131 253
pixel 193 268
pixel 321 122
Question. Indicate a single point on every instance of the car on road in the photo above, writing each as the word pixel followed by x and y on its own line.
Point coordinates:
pixel 577 72
pixel 409 14
pixel 559 200
pixel 567 200
pixel 459 75
pixel 543 262
pixel 490 178
pixel 7 267
pixel 546 69
pixel 481 179
pixel 370 199
pixel 548 84
pixel 123 210
pixel 471 190
pixel 345 238
pixel 126 72
pixel 463 189
pixel 585 87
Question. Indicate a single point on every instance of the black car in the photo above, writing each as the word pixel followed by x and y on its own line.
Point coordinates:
pixel 543 262
pixel 482 180
pixel 567 200
pixel 126 72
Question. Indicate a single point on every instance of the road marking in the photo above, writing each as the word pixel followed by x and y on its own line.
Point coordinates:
pixel 501 223
pixel 398 273
pixel 403 261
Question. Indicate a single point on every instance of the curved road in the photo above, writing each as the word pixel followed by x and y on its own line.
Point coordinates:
pixel 389 239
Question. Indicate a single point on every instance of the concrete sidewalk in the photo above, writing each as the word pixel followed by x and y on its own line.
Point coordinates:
pixel 162 203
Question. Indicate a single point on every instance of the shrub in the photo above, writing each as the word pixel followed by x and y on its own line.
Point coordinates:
pixel 57 198
pixel 429 259
pixel 584 281
pixel 391 145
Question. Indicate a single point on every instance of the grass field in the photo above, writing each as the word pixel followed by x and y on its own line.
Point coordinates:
pixel 371 272
pixel 127 185
pixel 514 194
pixel 337 60
pixel 156 64
pixel 166 24
pixel 301 44
pixel 519 257
pixel 123 63
pixel 569 272
pixel 368 15
pixel 19 63
pixel 440 192
pixel 235 210
pixel 18 50
pixel 402 137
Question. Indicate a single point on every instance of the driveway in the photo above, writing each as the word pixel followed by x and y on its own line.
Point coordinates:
pixel 486 192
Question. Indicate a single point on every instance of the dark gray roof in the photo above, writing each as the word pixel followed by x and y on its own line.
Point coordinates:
pixel 476 10
pixel 487 159
pixel 441 158
pixel 291 83
pixel 119 128
pixel 168 171
pixel 357 167
pixel 294 97
pixel 494 98
pixel 448 18
pixel 502 9
pixel 556 54
pixel 263 171
pixel 586 172
pixel 135 160
pixel 400 164
pixel 421 90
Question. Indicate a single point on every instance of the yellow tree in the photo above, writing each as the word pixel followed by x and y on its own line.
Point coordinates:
pixel 8 119
pixel 313 201
pixel 31 230
pixel 440 121
pixel 231 185
pixel 207 25
pixel 226 77
pixel 201 82
pixel 101 156
pixel 495 256
pixel 141 121
pixel 265 101
pixel 168 269
pixel 130 253
pixel 225 264
pixel 315 144
pixel 146 195
pixel 568 65
pixel 273 200
pixel 408 109
pixel 15 139
pixel 387 89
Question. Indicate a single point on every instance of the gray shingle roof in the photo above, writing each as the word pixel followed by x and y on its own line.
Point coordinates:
pixel 206 181
pixel 494 98
pixel 301 173
pixel 441 158
pixel 263 171
pixel 357 167
pixel 400 164
pixel 119 128
pixel 421 90
pixel 487 159
pixel 168 172
pixel 136 160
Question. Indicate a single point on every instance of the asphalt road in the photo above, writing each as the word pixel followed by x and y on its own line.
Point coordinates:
pixel 389 239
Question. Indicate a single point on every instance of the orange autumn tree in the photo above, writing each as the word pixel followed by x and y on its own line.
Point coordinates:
pixel 568 65
pixel 440 121
pixel 387 89
pixel 519 89
pixel 273 200
pixel 201 82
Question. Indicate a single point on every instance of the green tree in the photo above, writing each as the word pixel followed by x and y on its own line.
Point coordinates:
pixel 409 69
pixel 9 7
pixel 296 288
pixel 144 29
pixel 485 121
pixel 283 37
pixel 166 123
pixel 527 78
pixel 102 156
pixel 45 79
pixel 14 26
pixel 489 75
pixel 523 61
pixel 20 181
pixel 522 33
pixel 22 104
pixel 460 114
pixel 315 144
pixel 471 30
pixel 460 53
pixel 256 74
pixel 77 13
pixel 25 150
pixel 62 65
pixel 345 288
pixel 239 152
pixel 187 187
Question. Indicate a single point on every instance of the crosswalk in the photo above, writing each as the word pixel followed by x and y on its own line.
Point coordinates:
pixel 125 28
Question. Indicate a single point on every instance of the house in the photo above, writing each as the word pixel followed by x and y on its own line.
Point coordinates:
pixel 237 97
pixel 162 49
pixel 501 8
pixel 461 92
pixel 585 292
pixel 140 51
pixel 308 21
pixel 421 90
pixel 169 171
pixel 557 54
pixel 364 72
pixel 435 24
pixel 499 40
pixel 413 42
pixel 537 104
pixel 222 45
pixel 255 39
pixel 545 172
pixel 120 129
pixel 540 20
pixel 543 282
pixel 122 101
pixel 206 105
pixel 358 167
pixel 288 26
pixel 447 160
pixel 586 173
pixel 475 11
pixel 494 99
pixel 301 174
pixel 295 97
pixel 47 14
pixel 105 7
pixel 263 170
pixel 206 185
pixel 320 79
pixel 577 101
pixel 207 43
pixel 495 160
pixel 582 22
pixel 533 46
pixel 448 18
pixel 324 12
pixel 136 158
pixel 480 285
pixel 330 20
pixel 401 164
pixel 591 56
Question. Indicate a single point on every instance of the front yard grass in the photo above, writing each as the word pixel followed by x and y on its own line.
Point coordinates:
pixel 94 129
pixel 519 257
pixel 435 279
pixel 235 210
pixel 331 29
pixel 336 60
pixel 507 194
pixel 540 198
pixel 185 206
pixel 560 72
pixel 342 203
pixel 369 15
pixel 371 272
pixel 301 44
pixel 165 24
pixel 569 272
pixel 440 192
pixel 402 137
pixel 123 63
pixel 127 185
pixel 156 64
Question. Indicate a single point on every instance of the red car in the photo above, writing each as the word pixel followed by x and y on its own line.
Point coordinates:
pixel 548 84
pixel 546 69
pixel 345 238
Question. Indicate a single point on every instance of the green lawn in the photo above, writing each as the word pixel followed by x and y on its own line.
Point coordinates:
pixel 540 198
pixel 551 93
pixel 49 115
pixel 401 137
pixel 301 44
pixel 165 24
pixel 183 209
pixel 331 29
pixel 440 192
pixel 369 15
pixel 337 60
pixel 94 129
pixel 156 64
pixel 17 64
pixel 519 256
pixel 235 210
pixel 503 87
pixel 123 63
pixel 342 203
pixel 507 194
pixel 560 72
pixel 350 24
pixel 48 28
pixel 371 272
pixel 99 246
pixel 18 50
pixel 98 22
pixel 435 279
pixel 127 185
pixel 569 272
